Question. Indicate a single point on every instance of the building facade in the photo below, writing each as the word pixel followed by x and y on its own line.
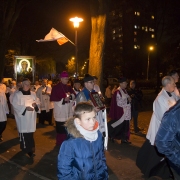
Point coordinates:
pixel 130 32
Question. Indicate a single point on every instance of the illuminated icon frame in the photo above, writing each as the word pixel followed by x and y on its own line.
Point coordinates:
pixel 96 100
pixel 28 71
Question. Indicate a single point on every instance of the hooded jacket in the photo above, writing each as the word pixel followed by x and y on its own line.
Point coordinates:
pixel 80 159
pixel 168 136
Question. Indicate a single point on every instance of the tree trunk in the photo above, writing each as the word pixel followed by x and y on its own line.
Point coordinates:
pixel 97 44
pixel 10 10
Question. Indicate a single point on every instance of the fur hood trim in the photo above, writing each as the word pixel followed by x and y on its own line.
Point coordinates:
pixel 71 128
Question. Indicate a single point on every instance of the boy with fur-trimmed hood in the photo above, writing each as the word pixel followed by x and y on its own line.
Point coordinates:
pixel 81 156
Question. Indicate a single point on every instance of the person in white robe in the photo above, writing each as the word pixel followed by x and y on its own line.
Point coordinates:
pixel 62 96
pixel 175 76
pixel 25 104
pixel 49 83
pixel 46 106
pixel 3 109
pixel 148 155
pixel 10 90
pixel 36 86
pixel 120 114
pixel 16 89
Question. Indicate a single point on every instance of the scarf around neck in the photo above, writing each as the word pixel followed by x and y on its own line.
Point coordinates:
pixel 88 135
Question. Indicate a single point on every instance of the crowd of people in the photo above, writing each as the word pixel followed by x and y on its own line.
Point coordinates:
pixel 82 128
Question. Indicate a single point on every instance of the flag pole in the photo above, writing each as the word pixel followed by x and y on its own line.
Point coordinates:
pixel 67 38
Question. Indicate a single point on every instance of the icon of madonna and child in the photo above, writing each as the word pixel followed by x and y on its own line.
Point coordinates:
pixel 24 68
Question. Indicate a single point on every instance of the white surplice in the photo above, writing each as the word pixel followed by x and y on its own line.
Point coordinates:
pixel 25 123
pixel 3 103
pixel 161 104
pixel 63 111
pixel 45 103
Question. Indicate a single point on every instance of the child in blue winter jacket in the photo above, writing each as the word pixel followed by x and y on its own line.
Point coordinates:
pixel 81 156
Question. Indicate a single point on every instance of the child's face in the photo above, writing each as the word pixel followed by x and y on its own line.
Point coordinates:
pixel 88 120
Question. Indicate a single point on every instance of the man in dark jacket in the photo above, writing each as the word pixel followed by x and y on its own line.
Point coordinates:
pixel 168 138
pixel 136 97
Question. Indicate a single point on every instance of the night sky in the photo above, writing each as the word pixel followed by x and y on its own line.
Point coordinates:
pixel 36 20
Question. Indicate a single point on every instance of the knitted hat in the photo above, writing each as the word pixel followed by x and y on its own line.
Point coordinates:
pixel 64 74
pixel 122 79
pixel 88 77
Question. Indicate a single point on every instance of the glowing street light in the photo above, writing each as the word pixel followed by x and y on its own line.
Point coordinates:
pixel 151 48
pixel 76 22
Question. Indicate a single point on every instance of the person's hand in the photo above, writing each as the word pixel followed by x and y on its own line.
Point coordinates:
pixel 96 109
pixel 34 105
pixel 28 108
pixel 129 99
pixel 67 99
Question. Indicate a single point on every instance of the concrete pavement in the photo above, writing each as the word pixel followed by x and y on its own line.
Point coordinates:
pixel 16 165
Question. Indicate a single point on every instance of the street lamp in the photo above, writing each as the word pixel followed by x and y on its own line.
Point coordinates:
pixel 151 48
pixel 76 22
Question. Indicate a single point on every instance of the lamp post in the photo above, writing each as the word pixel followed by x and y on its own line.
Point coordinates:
pixel 76 22
pixel 151 48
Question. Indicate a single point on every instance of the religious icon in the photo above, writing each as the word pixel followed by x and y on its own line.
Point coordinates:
pixel 96 100
pixel 24 67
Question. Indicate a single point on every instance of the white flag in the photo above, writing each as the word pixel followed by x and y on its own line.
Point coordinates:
pixel 54 35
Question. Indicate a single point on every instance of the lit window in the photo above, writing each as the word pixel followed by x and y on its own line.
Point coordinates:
pixel 135 46
pixel 135 13
pixel 152 30
pixel 152 17
pixel 114 37
pixel 138 13
pixel 114 31
pixel 152 36
pixel 146 29
pixel 135 26
pixel 135 39
pixel 135 33
pixel 138 47
pixel 120 15
pixel 142 27
pixel 119 35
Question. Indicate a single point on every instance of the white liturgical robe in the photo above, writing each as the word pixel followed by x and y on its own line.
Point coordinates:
pixel 25 123
pixel 161 104
pixel 3 103
pixel 45 104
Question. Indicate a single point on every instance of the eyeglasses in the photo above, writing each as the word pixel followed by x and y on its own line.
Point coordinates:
pixel 92 82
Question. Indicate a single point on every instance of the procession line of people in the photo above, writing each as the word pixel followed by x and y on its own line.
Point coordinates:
pixel 80 121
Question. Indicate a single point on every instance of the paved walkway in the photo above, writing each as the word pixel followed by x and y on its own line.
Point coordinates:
pixel 14 165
